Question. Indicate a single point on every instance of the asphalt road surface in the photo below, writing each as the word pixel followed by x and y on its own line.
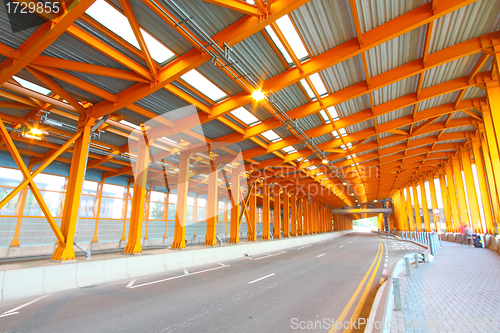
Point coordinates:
pixel 304 288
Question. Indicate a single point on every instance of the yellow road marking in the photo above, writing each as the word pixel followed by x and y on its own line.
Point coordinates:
pixel 361 302
pixel 355 295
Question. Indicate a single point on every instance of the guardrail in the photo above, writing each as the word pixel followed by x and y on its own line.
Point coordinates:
pixel 430 238
pixel 389 294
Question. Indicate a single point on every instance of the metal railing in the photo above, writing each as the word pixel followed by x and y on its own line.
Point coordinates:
pixel 430 238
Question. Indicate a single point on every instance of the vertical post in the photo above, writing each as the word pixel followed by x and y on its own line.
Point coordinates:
pixel 181 206
pixel 310 218
pixel 489 140
pixel 146 212
pixel 425 206
pixel 305 215
pixel 97 210
pixel 300 216
pixel 432 188
pixel 277 212
pixel 407 265
pixel 212 205
pixel 416 204
pixel 65 251
pixel 493 95
pixel 455 210
pixel 488 163
pixel 446 204
pixel 286 214
pixel 252 212
pixel 265 210
pixel 235 206
pixel 138 200
pixel 409 209
pixel 293 204
pixel 486 181
pixel 459 186
pixel 471 191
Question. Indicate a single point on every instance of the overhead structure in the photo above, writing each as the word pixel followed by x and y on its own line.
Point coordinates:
pixel 268 113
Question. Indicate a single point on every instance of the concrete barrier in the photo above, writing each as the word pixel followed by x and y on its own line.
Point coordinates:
pixel 89 273
pixel 115 270
pixel 55 278
pixel 18 283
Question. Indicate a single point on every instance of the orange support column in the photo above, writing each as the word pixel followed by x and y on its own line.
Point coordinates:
pixel 305 214
pixel 212 205
pixel 409 209
pixel 493 95
pixel 403 210
pixel 138 200
pixel 425 206
pixel 446 203
pixel 416 205
pixel 293 204
pixel 235 206
pixel 310 218
pixel 265 210
pixel 181 208
pixel 432 188
pixel 490 202
pixel 277 212
pixel 65 251
pixel 459 186
pixel 454 204
pixel 489 140
pixel 471 191
pixel 20 210
pixel 252 209
pixel 286 214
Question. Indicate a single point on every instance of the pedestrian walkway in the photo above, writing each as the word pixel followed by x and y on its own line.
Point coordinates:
pixel 457 292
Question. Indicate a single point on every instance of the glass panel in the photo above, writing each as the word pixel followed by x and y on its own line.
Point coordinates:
pixel 156 210
pixel 10 207
pixel 157 196
pixel 200 214
pixel 189 213
pixel 52 200
pixel 49 182
pixel 202 202
pixel 171 212
pixel 129 208
pixel 190 201
pixel 90 187
pixel 172 198
pixel 114 191
pixel 87 206
pixel 10 177
pixel 111 208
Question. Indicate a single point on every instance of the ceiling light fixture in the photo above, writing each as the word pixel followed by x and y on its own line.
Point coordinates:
pixel 324 161
pixel 258 95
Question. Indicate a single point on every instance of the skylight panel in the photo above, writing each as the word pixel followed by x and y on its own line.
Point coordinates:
pixel 278 44
pixel 118 23
pixel 245 116
pixel 300 159
pixel 312 167
pixel 318 84
pixel 203 85
pixel 308 89
pixel 335 135
pixel 288 29
pixel 289 150
pixel 325 117
pixel 32 86
pixel 271 136
pixel 319 174
pixel 354 155
pixel 349 145
pixel 342 132
pixel 333 113
pixel 170 140
pixel 129 124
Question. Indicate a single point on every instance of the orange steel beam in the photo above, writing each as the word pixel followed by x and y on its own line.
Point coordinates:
pixel 231 35
pixel 239 6
pixel 41 39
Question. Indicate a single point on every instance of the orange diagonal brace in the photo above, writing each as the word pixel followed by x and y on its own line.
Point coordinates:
pixel 36 193
pixel 239 6
pixel 46 34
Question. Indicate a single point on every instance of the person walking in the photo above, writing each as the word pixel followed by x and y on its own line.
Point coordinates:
pixel 463 233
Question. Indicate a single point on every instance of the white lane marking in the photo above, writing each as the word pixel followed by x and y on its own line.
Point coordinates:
pixel 26 304
pixel 179 276
pixel 341 246
pixel 8 314
pixel 321 255
pixel 321 242
pixel 303 247
pixel 130 284
pixel 262 278
pixel 186 271
pixel 270 255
